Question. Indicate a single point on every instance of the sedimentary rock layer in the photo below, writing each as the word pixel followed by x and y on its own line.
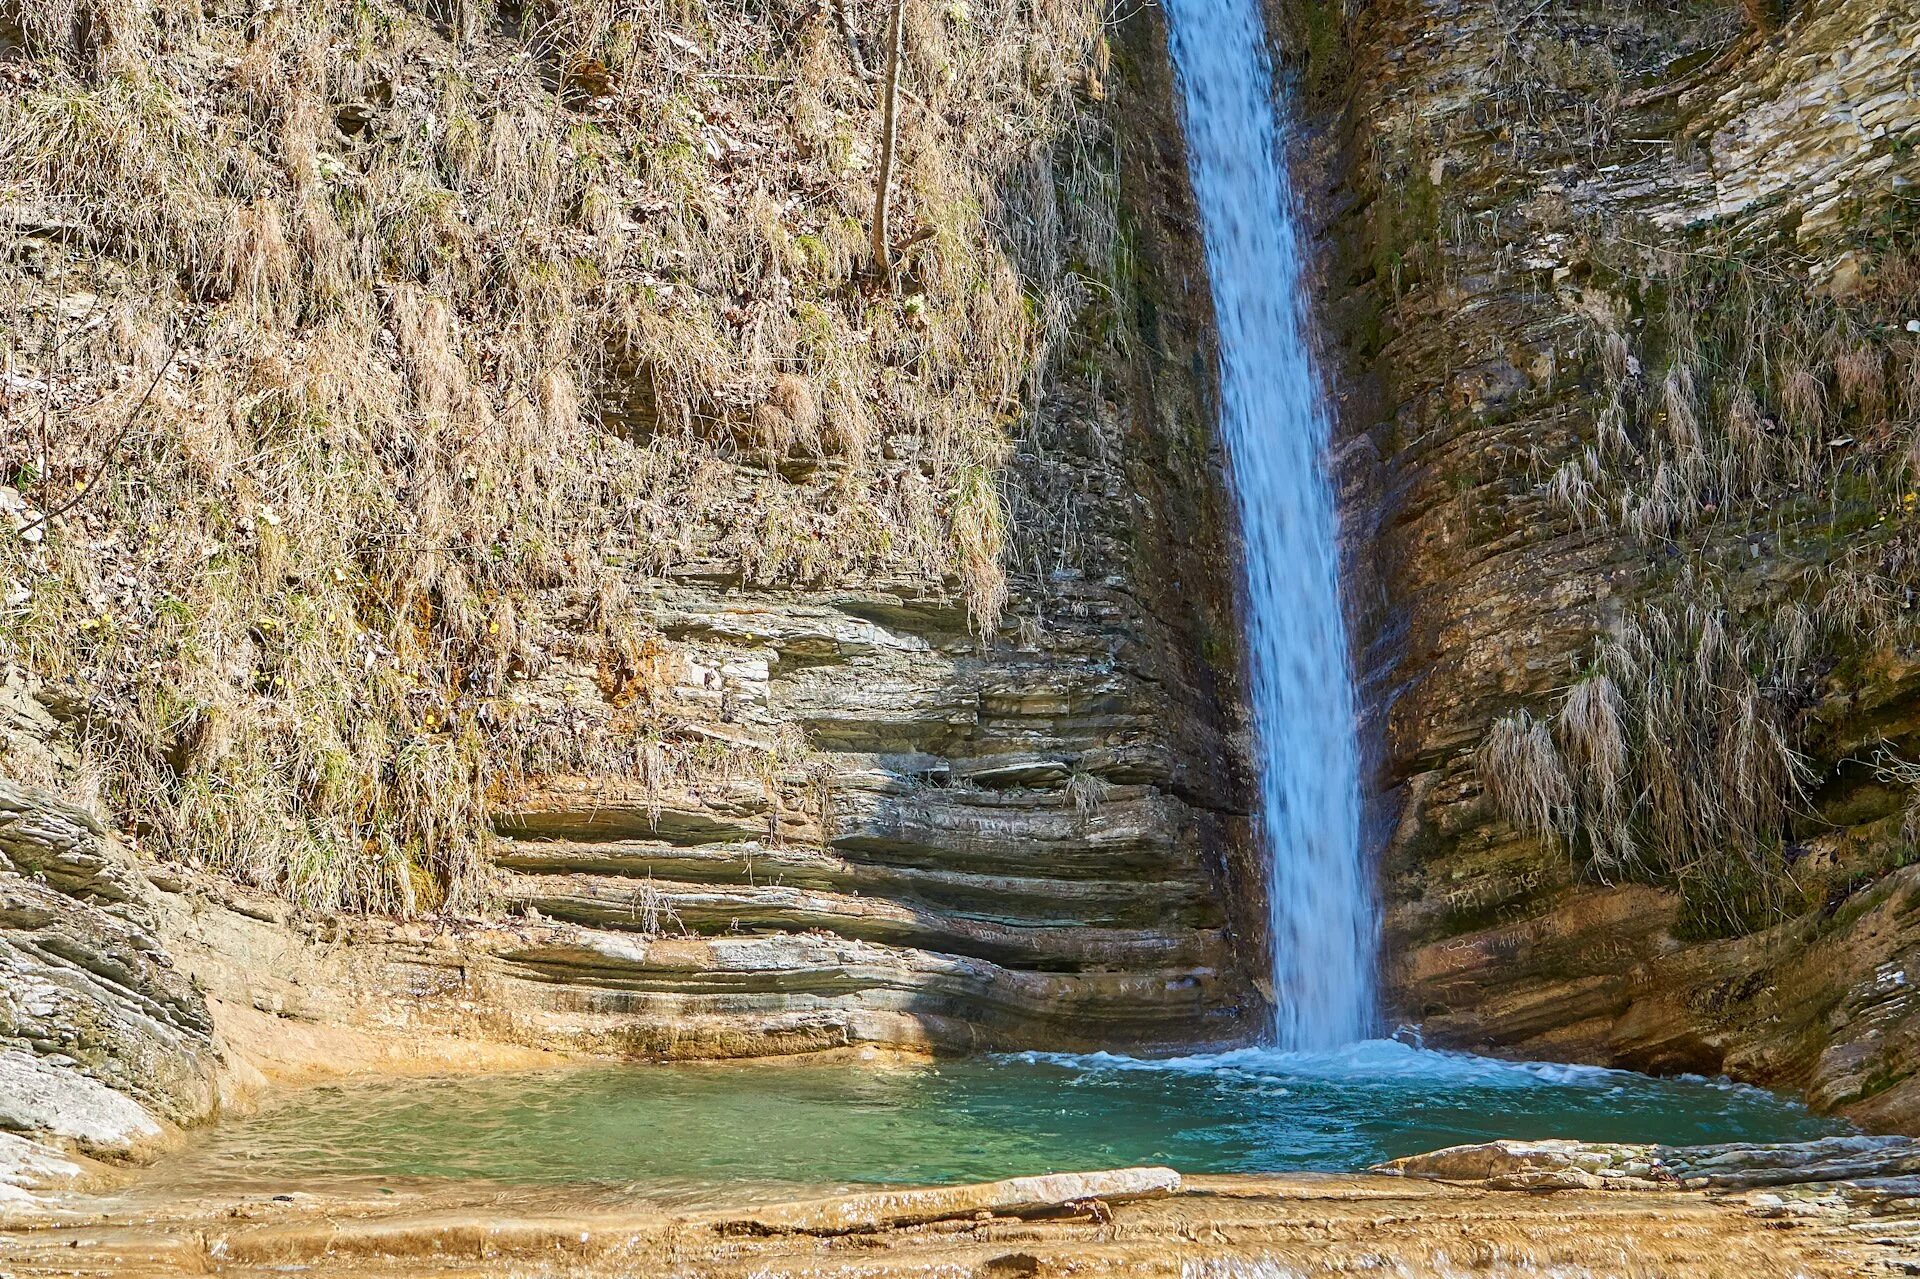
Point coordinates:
pixel 1135 1222
pixel 1519 204
pixel 102 1038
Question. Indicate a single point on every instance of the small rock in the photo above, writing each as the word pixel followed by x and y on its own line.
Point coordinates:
pixel 1535 1165
pixel 18 513
pixel 1845 278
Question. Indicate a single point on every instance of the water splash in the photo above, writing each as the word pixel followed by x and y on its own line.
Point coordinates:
pixel 1381 1066
pixel 1275 427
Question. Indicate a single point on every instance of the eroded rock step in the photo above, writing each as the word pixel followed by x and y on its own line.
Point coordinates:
pixel 652 905
pixel 701 996
pixel 873 904
pixel 916 833
pixel 986 896
pixel 879 819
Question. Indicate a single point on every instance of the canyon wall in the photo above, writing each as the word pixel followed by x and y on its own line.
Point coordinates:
pixel 489 557
pixel 1621 299
pixel 487 552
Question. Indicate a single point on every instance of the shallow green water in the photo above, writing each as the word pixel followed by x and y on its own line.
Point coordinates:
pixel 692 1128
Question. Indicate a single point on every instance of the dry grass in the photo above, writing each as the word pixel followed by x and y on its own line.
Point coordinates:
pixel 1592 731
pixel 1087 791
pixel 1524 777
pixel 467 334
pixel 1672 760
pixel 1751 408
pixel 1758 382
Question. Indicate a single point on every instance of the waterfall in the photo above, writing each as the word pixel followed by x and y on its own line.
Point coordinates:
pixel 1275 427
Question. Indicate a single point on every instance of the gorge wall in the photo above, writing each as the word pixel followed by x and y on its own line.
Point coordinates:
pixel 487 552
pixel 1624 299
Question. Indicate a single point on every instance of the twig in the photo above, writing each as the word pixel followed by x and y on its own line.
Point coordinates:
pixel 112 454
pixel 889 139
pixel 1732 54
pixel 919 237
pixel 843 16
pixel 46 400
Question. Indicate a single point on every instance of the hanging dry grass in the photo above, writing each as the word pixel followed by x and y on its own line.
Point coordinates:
pixel 1673 761
pixel 1523 776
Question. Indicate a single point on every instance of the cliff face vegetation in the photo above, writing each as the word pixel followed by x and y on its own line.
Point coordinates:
pixel 472 495
pixel 357 351
pixel 1629 300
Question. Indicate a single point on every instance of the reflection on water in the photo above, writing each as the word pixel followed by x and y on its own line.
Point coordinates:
pixel 679 1132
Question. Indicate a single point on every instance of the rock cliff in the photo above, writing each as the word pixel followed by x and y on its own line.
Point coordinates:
pixel 104 1042
pixel 505 561
pixel 1624 302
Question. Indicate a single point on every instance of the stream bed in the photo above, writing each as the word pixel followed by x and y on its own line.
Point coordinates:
pixel 690 1132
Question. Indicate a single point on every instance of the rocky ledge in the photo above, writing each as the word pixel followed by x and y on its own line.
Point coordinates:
pixel 1132 1222
pixel 1888 1164
pixel 103 1041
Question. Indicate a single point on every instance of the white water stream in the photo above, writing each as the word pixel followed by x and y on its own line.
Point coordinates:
pixel 1275 426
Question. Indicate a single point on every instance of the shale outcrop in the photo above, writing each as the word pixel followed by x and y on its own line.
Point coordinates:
pixel 104 1042
pixel 1623 303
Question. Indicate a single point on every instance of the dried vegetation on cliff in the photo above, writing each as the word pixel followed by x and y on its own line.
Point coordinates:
pixel 1744 410
pixel 1744 416
pixel 347 345
pixel 1636 283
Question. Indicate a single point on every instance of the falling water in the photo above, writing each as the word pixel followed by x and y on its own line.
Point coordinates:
pixel 1275 426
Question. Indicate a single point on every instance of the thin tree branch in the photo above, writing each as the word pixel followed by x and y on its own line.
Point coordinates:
pixel 112 454
pixel 889 138
pixel 843 16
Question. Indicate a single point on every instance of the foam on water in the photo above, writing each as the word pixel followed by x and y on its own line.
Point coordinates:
pixel 1275 427
pixel 1371 1063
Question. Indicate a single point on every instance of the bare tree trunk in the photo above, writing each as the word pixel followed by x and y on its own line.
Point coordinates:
pixel 889 136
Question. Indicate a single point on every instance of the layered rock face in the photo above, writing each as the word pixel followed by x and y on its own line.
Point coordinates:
pixel 984 848
pixel 103 1041
pixel 1035 837
pixel 1621 299
pixel 851 697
